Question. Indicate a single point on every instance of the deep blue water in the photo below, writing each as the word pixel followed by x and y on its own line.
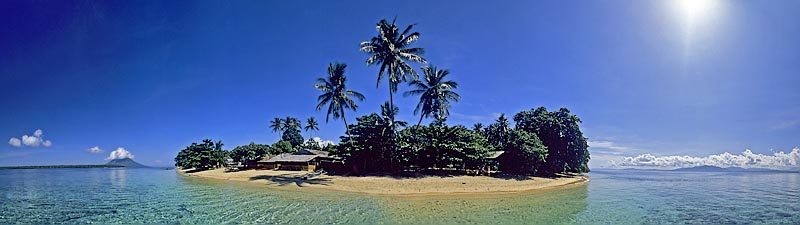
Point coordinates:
pixel 41 196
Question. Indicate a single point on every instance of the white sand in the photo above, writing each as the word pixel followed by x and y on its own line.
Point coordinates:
pixel 431 185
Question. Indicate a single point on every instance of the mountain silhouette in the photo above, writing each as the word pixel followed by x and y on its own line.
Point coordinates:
pixel 725 169
pixel 126 162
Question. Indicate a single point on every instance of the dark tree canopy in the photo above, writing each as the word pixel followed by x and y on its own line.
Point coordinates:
pixel 367 148
pixel 497 132
pixel 568 150
pixel 251 151
pixel 293 136
pixel 442 147
pixel 524 153
pixel 205 155
pixel 281 147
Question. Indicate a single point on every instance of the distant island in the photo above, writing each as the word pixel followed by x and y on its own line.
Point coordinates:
pixel 116 163
pixel 728 169
pixel 126 162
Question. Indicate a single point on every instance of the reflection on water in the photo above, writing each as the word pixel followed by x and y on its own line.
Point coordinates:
pixel 118 177
pixel 542 207
pixel 147 196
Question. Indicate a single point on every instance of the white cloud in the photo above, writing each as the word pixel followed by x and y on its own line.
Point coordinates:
pixel 33 141
pixel 320 142
pixel 15 142
pixel 95 150
pixel 746 159
pixel 608 145
pixel 120 153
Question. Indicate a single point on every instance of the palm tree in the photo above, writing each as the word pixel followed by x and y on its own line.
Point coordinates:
pixel 434 93
pixel 291 123
pixel 336 95
pixel 477 127
pixel 389 116
pixel 277 124
pixel 391 126
pixel 311 124
pixel 497 132
pixel 390 49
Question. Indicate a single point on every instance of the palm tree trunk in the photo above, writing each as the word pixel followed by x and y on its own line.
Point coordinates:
pixel 391 100
pixel 420 119
pixel 344 118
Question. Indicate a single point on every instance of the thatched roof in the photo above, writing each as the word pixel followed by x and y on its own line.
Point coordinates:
pixel 288 157
pixel 311 152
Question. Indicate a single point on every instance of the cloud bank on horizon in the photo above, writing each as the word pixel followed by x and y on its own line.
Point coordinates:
pixel 34 140
pixel 747 159
pixel 120 153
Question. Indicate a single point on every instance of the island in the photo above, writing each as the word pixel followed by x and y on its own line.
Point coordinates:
pixel 381 154
pixel 116 163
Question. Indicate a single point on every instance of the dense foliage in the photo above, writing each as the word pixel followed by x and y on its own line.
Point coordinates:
pixel 290 128
pixel 251 151
pixel 367 148
pixel 205 155
pixel 568 150
pixel 293 136
pixel 443 147
pixel 281 147
pixel 371 147
pixel 524 153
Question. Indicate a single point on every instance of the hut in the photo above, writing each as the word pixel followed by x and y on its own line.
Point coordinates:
pixel 303 160
pixel 492 162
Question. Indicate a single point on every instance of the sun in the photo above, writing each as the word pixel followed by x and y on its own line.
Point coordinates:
pixel 696 11
pixel 697 19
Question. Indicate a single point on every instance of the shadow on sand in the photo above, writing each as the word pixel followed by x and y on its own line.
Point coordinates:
pixel 283 180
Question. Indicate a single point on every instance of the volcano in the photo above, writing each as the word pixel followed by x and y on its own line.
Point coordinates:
pixel 126 162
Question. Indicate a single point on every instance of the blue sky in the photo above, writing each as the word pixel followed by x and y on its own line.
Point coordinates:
pixel 646 77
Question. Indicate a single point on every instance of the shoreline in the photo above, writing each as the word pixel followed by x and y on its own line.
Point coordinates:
pixel 393 186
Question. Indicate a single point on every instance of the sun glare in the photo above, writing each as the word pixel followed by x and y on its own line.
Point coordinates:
pixel 695 11
pixel 697 19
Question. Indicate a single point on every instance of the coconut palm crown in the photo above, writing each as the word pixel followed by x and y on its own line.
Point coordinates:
pixel 336 95
pixel 434 92
pixel 391 51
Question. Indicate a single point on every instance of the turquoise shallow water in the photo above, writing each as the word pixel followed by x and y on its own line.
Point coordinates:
pixel 41 196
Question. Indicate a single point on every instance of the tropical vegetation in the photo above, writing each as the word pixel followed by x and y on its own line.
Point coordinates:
pixel 540 142
pixel 205 155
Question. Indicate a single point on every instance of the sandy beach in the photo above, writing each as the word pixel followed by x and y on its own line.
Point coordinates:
pixel 430 185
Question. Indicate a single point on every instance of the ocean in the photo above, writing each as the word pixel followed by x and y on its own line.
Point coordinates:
pixel 102 195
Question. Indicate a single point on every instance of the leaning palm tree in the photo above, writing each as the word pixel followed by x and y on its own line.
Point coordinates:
pixel 277 124
pixel 336 95
pixel 311 124
pixel 391 51
pixel 434 93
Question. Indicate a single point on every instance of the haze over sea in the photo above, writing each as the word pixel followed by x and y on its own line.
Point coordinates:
pixel 37 196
